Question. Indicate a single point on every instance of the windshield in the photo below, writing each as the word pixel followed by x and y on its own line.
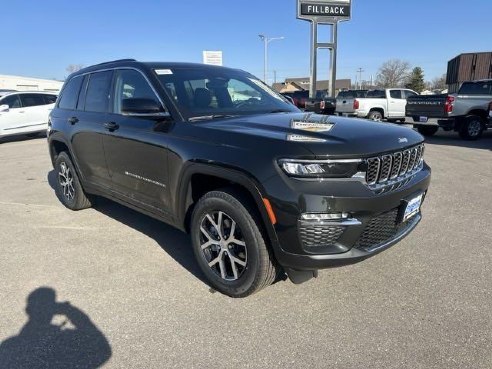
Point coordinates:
pixel 216 93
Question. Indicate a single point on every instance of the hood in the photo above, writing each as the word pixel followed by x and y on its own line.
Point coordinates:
pixel 347 137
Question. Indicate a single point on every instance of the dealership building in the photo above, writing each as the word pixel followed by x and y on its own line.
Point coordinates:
pixel 468 67
pixel 19 83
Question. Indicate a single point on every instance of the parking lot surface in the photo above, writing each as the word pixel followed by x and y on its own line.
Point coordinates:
pixel 138 299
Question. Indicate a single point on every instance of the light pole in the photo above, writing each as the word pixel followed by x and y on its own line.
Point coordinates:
pixel 266 40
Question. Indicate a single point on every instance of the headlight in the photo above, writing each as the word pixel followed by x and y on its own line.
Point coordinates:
pixel 320 168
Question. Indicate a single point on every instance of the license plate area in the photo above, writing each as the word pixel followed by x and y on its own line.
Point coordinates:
pixel 411 207
pixel 423 119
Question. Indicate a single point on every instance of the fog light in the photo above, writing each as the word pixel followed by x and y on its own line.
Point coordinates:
pixel 326 216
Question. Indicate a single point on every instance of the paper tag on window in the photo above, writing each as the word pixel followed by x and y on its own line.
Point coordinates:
pixel 161 72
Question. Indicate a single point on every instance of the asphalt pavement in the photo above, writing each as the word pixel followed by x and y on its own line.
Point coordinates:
pixel 137 299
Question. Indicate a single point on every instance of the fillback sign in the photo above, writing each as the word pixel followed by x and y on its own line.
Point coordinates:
pixel 324 11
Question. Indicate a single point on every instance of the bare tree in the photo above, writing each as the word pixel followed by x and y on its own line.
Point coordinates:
pixel 393 73
pixel 72 68
pixel 439 83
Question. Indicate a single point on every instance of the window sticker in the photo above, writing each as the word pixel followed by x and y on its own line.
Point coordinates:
pixel 162 72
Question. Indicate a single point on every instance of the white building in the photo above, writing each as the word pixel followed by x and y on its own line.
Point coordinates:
pixel 29 84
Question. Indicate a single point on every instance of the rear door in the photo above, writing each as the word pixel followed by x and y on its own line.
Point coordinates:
pixel 86 122
pixel 36 111
pixel 136 148
pixel 396 103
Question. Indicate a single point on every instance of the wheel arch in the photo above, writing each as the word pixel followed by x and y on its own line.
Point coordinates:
pixel 377 108
pixel 198 179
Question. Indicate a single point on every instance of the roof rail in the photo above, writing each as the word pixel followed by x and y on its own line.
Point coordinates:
pixel 118 60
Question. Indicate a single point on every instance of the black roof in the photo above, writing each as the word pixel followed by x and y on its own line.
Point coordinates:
pixel 150 65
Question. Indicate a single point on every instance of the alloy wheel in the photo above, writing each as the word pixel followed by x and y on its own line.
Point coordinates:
pixel 474 128
pixel 222 245
pixel 65 178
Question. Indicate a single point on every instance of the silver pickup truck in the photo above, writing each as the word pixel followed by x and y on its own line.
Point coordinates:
pixel 465 112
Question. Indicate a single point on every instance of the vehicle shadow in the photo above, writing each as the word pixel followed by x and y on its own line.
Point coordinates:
pixel 453 139
pixel 57 335
pixel 23 137
pixel 176 243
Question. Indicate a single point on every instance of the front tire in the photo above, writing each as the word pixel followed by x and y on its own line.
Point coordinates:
pixel 472 128
pixel 427 131
pixel 68 187
pixel 228 245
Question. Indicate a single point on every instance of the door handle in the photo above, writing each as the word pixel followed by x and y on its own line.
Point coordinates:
pixel 73 120
pixel 111 126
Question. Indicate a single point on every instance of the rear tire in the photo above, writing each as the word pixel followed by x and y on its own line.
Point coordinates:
pixel 375 115
pixel 68 187
pixel 427 131
pixel 472 128
pixel 228 245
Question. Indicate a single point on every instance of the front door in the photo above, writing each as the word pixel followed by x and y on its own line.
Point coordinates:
pixel 14 117
pixel 136 152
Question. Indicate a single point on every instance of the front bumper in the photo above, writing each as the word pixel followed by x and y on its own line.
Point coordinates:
pixel 375 221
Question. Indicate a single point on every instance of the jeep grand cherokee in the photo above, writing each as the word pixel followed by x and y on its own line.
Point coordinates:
pixel 263 188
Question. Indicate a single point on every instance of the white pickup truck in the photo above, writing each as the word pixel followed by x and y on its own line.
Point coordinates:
pixel 377 105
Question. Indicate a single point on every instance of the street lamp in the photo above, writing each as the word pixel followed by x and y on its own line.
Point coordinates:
pixel 266 40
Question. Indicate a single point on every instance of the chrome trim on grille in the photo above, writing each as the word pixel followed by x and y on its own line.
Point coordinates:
pixel 388 169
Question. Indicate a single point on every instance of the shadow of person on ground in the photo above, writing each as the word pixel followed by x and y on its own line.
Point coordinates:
pixel 174 242
pixel 57 335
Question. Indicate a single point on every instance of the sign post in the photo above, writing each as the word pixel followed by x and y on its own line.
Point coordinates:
pixel 329 12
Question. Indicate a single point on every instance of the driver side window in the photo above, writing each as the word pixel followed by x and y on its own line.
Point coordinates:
pixel 130 84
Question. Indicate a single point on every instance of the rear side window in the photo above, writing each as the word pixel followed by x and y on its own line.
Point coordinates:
pixel 32 100
pixel 12 101
pixel 49 99
pixel 476 88
pixel 70 93
pixel 97 97
pixel 396 94
pixel 377 94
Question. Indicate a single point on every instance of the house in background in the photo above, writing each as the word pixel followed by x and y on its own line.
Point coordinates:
pixel 301 84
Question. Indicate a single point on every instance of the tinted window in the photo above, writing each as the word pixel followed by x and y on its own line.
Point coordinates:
pixel 12 101
pixel 395 94
pixel 50 99
pixel 409 94
pixel 131 84
pixel 97 97
pixel 377 94
pixel 476 88
pixel 70 93
pixel 32 100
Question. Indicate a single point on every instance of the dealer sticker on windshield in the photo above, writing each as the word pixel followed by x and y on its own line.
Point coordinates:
pixel 413 207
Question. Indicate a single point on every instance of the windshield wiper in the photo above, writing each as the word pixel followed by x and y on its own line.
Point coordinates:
pixel 210 117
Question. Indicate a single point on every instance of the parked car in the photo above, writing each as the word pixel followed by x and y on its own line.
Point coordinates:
pixel 378 105
pixel 4 92
pixel 263 188
pixel 25 112
pixel 347 97
pixel 322 104
pixel 299 97
pixel 465 112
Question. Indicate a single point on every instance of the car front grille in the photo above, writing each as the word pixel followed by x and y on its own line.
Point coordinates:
pixel 390 168
pixel 382 229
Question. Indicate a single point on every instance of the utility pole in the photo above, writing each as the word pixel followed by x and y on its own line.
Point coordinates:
pixel 360 70
pixel 266 40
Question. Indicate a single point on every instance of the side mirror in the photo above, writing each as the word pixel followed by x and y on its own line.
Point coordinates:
pixel 141 107
pixel 4 107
